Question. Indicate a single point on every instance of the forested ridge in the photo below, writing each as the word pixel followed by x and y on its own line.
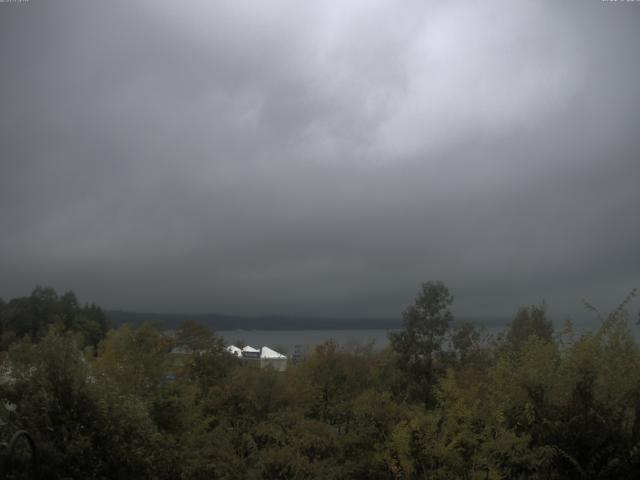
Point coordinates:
pixel 440 402
pixel 220 322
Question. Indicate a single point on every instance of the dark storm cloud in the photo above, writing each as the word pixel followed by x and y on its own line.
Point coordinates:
pixel 325 159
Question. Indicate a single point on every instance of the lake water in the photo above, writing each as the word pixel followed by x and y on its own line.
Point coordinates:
pixel 284 341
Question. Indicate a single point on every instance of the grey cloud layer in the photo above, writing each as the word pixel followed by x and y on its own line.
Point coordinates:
pixel 281 157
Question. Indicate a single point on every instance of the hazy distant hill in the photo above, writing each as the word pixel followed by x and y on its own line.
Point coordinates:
pixel 264 322
pixel 270 322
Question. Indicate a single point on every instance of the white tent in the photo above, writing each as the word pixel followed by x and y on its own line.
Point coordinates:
pixel 273 359
pixel 250 352
pixel 266 352
pixel 233 350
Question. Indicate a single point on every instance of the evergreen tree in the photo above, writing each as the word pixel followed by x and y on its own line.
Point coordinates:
pixel 425 325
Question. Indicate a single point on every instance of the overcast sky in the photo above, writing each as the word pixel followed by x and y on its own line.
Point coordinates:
pixel 320 158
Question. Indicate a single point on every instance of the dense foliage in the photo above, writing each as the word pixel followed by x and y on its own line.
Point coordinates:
pixel 442 402
pixel 32 317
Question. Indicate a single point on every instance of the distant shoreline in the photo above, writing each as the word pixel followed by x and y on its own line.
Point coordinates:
pixel 221 322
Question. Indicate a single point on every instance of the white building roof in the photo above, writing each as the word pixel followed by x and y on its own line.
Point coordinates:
pixel 250 349
pixel 268 353
pixel 233 350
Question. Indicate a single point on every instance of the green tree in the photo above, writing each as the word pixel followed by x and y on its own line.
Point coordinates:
pixel 135 358
pixel 465 340
pixel 425 326
pixel 195 335
pixel 33 315
pixel 335 377
pixel 210 366
pixel 84 426
pixel 529 321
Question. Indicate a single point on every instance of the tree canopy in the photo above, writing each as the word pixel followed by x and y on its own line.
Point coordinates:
pixel 425 326
pixel 32 317
pixel 439 403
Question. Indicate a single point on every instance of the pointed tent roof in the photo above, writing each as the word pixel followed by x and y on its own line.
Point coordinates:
pixel 250 349
pixel 268 353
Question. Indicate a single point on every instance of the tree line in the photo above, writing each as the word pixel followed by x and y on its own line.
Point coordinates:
pixel 440 402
